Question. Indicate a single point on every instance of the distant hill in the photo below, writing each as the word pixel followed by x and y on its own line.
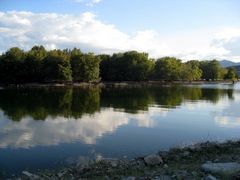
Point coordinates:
pixel 227 63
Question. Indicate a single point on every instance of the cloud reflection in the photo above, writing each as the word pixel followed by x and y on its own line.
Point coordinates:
pixel 29 133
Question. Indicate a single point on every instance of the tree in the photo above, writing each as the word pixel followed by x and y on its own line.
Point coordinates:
pixel 231 74
pixel 128 66
pixel 168 68
pixel 211 70
pixel 12 66
pixel 85 67
pixel 191 71
pixel 105 67
pixel 34 62
pixel 57 67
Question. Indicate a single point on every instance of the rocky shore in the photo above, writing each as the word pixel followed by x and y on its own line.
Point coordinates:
pixel 207 161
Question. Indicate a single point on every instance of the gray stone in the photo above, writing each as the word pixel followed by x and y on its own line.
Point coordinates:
pixel 210 177
pixel 83 161
pixel 165 166
pixel 114 164
pixel 163 177
pixel 30 175
pixel 129 178
pixel 98 158
pixel 153 160
pixel 163 154
pixel 194 173
pixel 221 168
pixel 186 153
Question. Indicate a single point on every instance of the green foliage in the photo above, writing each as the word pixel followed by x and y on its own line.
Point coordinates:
pixel 40 65
pixel 85 67
pixel 57 67
pixel 128 66
pixel 231 74
pixel 12 66
pixel 211 70
pixel 191 71
pixel 105 67
pixel 33 63
pixel 168 68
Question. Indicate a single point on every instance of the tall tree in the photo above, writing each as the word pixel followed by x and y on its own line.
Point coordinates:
pixel 85 67
pixel 168 68
pixel 211 70
pixel 191 71
pixel 231 74
pixel 57 67
pixel 34 62
pixel 12 66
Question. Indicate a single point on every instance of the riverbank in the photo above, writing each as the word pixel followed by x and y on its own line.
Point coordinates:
pixel 115 84
pixel 207 160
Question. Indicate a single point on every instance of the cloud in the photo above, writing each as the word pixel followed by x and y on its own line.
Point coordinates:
pixel 86 31
pixel 88 2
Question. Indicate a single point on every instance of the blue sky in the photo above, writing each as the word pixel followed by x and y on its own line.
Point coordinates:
pixel 167 27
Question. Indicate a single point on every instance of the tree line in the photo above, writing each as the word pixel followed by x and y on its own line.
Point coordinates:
pixel 72 65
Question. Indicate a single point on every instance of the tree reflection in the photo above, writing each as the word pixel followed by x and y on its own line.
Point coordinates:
pixel 39 103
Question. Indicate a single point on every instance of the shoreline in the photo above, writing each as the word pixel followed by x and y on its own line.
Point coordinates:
pixel 208 160
pixel 115 83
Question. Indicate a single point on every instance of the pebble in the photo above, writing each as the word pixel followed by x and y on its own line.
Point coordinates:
pixel 153 160
pixel 221 168
pixel 210 177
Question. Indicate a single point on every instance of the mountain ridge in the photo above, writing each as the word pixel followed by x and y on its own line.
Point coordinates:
pixel 228 63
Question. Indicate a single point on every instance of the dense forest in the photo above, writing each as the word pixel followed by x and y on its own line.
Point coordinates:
pixel 40 65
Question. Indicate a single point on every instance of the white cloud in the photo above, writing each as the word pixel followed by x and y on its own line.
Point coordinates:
pixel 86 31
pixel 88 2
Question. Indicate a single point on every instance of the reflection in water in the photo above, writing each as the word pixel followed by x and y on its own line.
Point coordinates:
pixel 44 102
pixel 230 115
pixel 41 103
pixel 45 125
pixel 29 133
pixel 74 114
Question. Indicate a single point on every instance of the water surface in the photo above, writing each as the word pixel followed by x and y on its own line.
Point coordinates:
pixel 49 127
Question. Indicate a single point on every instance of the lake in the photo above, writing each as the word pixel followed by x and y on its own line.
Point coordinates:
pixel 51 127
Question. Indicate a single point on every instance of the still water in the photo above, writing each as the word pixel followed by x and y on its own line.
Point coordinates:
pixel 49 127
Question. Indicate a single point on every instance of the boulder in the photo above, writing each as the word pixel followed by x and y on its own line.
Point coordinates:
pixel 30 175
pixel 221 168
pixel 210 177
pixel 153 160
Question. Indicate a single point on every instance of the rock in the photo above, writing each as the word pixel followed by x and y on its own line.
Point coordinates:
pixel 165 166
pixel 114 164
pixel 221 168
pixel 194 173
pixel 163 154
pixel 186 153
pixel 30 175
pixel 129 178
pixel 153 160
pixel 83 161
pixel 98 158
pixel 210 177
pixel 163 177
pixel 107 178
